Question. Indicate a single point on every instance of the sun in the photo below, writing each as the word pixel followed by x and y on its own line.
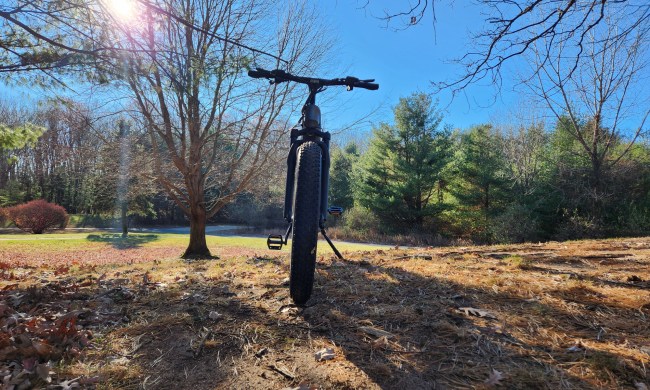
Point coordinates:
pixel 123 10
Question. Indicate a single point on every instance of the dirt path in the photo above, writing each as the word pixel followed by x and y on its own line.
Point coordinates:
pixel 552 316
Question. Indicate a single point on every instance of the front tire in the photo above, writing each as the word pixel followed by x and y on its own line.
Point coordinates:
pixel 306 213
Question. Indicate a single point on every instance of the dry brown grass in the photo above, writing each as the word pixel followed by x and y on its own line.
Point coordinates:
pixel 549 316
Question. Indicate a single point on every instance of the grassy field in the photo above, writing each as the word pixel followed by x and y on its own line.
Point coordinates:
pixel 63 241
pixel 97 312
pixel 104 247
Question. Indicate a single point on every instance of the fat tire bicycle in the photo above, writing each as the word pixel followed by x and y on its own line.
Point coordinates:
pixel 307 183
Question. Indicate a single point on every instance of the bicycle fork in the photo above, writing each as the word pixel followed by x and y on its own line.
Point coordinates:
pixel 322 139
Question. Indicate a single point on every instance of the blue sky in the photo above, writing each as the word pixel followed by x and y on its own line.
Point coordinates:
pixel 408 61
pixel 402 62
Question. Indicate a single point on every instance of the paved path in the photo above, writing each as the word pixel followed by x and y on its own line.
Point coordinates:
pixel 210 230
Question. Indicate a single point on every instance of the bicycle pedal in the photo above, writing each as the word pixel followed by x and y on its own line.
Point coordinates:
pixel 335 211
pixel 275 241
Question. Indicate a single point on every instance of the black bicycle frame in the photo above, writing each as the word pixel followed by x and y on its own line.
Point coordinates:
pixel 310 130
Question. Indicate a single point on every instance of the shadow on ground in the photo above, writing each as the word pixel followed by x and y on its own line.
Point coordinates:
pixel 389 329
pixel 391 321
pixel 119 242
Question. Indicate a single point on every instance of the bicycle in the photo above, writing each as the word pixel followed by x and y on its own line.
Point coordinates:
pixel 306 188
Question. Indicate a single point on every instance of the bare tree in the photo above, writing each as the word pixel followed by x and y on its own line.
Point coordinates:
pixel 213 131
pixel 597 99
pixel 523 147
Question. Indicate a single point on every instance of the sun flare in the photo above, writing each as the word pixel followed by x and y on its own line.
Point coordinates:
pixel 123 10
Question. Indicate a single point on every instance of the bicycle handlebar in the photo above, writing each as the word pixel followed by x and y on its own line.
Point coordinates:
pixel 279 76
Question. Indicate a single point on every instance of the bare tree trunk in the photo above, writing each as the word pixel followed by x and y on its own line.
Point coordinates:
pixel 597 188
pixel 198 247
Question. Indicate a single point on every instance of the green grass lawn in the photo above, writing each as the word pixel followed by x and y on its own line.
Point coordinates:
pixel 101 239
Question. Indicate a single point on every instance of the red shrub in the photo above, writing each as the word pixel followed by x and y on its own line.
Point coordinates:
pixel 37 216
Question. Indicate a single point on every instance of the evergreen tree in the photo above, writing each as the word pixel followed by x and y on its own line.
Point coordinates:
pixel 18 136
pixel 481 186
pixel 399 174
pixel 13 138
pixel 340 190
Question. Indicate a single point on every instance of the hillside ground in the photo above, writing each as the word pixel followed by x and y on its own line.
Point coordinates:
pixel 97 311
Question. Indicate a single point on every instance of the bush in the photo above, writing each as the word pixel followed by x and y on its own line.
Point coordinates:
pixel 515 225
pixel 578 227
pixel 360 219
pixel 37 216
pixel 634 221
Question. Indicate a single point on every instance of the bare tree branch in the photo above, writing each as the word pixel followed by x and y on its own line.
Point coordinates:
pixel 515 26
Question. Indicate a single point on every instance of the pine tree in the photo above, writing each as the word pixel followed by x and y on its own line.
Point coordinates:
pixel 480 186
pixel 398 176
pixel 340 190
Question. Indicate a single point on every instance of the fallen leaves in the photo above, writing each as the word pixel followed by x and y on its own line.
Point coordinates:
pixel 290 309
pixel 495 378
pixel 69 384
pixel 576 348
pixel 119 294
pixel 470 311
pixel 44 324
pixel 213 315
pixel 325 354
pixel 282 369
pixel 23 257
pixel 302 386
pixel 261 352
pixel 375 331
pixel 402 315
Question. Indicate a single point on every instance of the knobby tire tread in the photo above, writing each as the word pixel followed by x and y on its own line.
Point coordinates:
pixel 306 204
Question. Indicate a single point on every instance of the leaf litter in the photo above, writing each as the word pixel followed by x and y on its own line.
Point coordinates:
pixel 324 354
pixel 437 317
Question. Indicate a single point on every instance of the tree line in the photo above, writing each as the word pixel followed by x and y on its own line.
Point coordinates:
pixel 70 157
pixel 196 128
pixel 490 183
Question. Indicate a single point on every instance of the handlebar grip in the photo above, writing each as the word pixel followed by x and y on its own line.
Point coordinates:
pixel 257 74
pixel 370 86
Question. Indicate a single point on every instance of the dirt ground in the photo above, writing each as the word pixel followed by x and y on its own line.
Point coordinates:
pixel 548 316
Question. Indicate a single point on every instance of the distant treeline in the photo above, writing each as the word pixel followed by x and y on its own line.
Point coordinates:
pixel 415 176
pixel 490 183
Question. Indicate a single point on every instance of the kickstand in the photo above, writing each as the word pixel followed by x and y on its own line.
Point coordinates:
pixel 286 234
pixel 336 251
